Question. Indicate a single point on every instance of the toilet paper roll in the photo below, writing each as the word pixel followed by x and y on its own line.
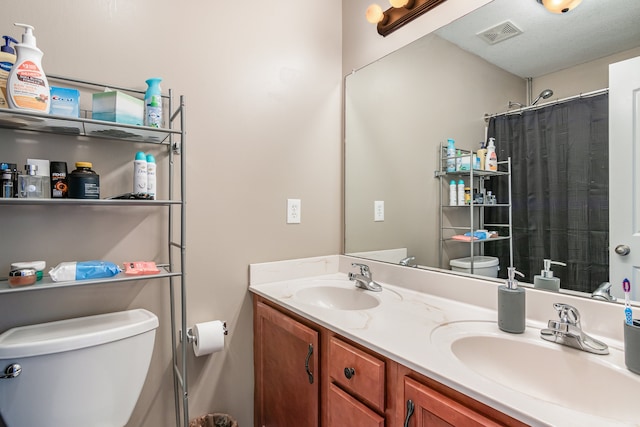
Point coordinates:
pixel 209 337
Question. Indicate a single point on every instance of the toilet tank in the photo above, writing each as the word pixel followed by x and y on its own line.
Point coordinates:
pixel 76 372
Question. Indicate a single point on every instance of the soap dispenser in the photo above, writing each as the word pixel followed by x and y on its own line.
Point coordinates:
pixel 545 279
pixel 511 304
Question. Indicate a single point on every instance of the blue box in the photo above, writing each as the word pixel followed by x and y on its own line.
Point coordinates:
pixel 65 101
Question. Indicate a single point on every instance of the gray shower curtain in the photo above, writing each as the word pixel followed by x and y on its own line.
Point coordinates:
pixel 560 189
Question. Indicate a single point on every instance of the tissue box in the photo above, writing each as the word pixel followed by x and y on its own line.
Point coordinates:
pixel 118 107
pixel 65 101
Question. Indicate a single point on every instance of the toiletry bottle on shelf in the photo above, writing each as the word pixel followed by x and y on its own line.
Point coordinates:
pixel 453 199
pixel 545 279
pixel 27 85
pixel 84 182
pixel 7 181
pixel 7 59
pixel 451 154
pixel 491 160
pixel 482 155
pixel 151 176
pixel 31 185
pixel 458 160
pixel 59 185
pixel 460 197
pixel 511 304
pixel 140 173
pixel 153 103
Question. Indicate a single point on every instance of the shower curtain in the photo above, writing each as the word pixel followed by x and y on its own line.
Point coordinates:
pixel 560 189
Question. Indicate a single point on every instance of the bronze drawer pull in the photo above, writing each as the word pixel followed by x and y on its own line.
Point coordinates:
pixel 349 373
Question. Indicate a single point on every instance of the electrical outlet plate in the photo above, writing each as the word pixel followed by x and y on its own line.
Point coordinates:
pixel 293 211
pixel 378 210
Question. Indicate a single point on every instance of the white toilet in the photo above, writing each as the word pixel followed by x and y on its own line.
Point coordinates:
pixel 86 371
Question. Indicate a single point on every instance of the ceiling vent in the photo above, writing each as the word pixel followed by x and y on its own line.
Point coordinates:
pixel 500 32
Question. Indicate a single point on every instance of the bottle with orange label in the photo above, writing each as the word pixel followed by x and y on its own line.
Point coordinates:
pixel 27 85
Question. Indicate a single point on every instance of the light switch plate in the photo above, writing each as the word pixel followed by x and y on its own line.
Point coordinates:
pixel 378 210
pixel 293 211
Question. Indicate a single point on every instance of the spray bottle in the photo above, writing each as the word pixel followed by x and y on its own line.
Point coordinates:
pixel 27 85
pixel 153 103
pixel 140 173
pixel 7 59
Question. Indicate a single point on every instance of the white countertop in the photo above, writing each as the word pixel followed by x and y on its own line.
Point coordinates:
pixel 418 303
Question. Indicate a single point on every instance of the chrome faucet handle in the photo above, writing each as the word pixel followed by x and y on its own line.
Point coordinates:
pixel 406 261
pixel 568 313
pixel 603 292
pixel 364 269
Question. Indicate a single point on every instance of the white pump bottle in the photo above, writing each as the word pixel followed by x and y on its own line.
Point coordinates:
pixel 27 85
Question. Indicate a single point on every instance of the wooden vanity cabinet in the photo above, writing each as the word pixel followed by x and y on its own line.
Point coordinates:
pixel 287 391
pixel 352 386
pixel 356 385
pixel 436 405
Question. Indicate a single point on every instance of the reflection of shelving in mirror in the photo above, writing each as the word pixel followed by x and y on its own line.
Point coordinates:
pixel 32 121
pixel 463 226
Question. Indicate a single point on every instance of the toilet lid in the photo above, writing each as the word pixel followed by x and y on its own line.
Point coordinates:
pixel 73 334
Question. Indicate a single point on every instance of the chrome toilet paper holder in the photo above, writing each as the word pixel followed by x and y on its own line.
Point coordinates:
pixel 191 338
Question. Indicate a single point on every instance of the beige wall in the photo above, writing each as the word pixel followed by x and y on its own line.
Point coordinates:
pixel 263 91
pixel 263 86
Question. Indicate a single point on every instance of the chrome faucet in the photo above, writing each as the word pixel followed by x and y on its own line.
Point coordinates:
pixel 568 331
pixel 603 292
pixel 364 280
pixel 406 261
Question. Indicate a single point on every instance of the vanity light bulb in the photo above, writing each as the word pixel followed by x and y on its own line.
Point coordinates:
pixel 560 6
pixel 374 14
pixel 398 3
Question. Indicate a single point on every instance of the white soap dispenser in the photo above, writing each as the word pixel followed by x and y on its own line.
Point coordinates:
pixel 27 85
pixel 545 279
pixel 511 304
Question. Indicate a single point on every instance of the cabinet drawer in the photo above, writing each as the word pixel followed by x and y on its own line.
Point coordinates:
pixel 344 410
pixel 358 372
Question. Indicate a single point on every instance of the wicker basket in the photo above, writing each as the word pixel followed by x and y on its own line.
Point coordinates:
pixel 214 420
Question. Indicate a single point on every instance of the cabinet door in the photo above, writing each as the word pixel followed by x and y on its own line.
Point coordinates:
pixel 285 361
pixel 345 411
pixel 433 409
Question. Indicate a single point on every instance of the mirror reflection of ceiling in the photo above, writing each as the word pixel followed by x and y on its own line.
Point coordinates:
pixel 612 26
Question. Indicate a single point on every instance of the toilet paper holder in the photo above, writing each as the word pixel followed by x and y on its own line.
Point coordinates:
pixel 191 338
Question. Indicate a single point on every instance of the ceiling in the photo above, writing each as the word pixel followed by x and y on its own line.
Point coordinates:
pixel 549 42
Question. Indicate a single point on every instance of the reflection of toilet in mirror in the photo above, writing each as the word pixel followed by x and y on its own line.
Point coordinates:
pixel 76 372
pixel 482 265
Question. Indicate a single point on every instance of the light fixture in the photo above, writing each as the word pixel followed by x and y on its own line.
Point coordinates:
pixel 374 14
pixel 401 13
pixel 559 6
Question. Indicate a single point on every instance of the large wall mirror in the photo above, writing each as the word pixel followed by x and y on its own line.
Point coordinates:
pixel 401 109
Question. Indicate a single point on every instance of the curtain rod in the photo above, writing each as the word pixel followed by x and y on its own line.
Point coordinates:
pixel 546 104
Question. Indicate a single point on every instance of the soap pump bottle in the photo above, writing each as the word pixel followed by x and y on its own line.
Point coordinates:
pixel 491 161
pixel 27 85
pixel 545 279
pixel 7 59
pixel 511 304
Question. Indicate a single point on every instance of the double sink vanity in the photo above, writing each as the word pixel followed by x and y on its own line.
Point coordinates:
pixel 425 349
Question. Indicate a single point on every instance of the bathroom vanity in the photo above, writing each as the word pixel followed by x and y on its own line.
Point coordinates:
pixel 425 350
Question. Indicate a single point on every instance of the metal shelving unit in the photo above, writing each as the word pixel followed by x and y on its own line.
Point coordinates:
pixel 476 180
pixel 174 138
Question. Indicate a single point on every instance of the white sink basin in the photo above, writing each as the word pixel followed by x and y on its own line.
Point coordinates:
pixel 599 385
pixel 338 297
